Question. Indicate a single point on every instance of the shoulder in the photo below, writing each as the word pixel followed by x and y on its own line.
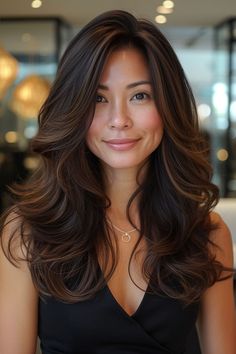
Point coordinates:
pixel 216 219
pixel 216 322
pixel 11 237
pixel 221 240
pixel 14 267
pixel 18 295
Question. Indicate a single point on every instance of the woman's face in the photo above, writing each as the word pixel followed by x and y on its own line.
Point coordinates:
pixel 126 126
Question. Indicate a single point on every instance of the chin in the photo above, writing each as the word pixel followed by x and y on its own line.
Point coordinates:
pixel 123 165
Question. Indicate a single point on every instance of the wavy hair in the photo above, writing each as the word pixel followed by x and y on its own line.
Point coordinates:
pixel 62 206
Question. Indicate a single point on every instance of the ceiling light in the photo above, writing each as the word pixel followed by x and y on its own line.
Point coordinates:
pixel 160 19
pixel 164 10
pixel 168 4
pixel 36 4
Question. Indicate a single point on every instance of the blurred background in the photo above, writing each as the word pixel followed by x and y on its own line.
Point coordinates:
pixel 34 34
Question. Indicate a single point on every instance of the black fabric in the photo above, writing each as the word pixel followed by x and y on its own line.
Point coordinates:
pixel 161 325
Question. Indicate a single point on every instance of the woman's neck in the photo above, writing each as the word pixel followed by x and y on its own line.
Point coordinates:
pixel 121 185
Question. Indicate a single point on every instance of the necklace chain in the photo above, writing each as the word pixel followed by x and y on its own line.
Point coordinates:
pixel 125 235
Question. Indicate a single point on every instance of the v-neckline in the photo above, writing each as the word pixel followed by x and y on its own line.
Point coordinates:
pixel 135 313
pixel 118 305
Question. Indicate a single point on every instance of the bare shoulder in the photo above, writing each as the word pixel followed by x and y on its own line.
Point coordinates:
pixel 12 249
pixel 18 295
pixel 11 224
pixel 216 322
pixel 11 238
pixel 222 239
pixel 218 220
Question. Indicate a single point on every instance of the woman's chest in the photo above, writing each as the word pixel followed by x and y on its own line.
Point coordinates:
pixel 127 284
pixel 160 325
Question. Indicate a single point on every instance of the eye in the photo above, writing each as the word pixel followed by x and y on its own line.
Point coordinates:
pixel 100 99
pixel 140 96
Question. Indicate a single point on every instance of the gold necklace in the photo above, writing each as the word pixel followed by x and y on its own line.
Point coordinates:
pixel 125 235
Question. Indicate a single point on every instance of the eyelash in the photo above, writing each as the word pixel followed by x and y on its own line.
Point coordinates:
pixel 144 96
pixel 101 99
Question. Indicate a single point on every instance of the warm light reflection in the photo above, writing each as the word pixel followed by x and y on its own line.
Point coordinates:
pixel 164 10
pixel 8 71
pixel 168 4
pixel 160 19
pixel 31 163
pixel 29 95
pixel 222 154
pixel 11 137
pixel 36 4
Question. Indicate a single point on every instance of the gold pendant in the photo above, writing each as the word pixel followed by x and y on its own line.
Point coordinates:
pixel 125 237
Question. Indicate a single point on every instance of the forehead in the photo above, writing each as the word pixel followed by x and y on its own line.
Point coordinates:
pixel 127 62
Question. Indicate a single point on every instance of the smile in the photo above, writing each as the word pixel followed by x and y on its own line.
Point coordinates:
pixel 121 144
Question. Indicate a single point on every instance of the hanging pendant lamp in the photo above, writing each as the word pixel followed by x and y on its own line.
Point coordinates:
pixel 8 71
pixel 29 95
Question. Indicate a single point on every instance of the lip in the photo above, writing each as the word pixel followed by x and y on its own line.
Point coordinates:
pixel 121 141
pixel 121 144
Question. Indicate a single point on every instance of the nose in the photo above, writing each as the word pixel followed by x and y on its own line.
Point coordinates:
pixel 119 117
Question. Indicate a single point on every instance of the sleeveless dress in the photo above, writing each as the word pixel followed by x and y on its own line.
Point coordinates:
pixel 160 325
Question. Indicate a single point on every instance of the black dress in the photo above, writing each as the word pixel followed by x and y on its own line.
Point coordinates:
pixel 160 325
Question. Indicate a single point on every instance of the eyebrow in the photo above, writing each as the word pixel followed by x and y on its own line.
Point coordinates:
pixel 132 85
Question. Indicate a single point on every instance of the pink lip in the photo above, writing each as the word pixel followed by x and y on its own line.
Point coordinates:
pixel 121 141
pixel 121 144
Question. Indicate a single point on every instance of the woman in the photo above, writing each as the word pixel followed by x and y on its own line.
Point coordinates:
pixel 111 246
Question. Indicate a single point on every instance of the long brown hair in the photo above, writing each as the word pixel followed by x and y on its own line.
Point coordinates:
pixel 62 206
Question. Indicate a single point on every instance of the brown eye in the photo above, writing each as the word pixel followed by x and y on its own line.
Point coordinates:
pixel 140 96
pixel 100 99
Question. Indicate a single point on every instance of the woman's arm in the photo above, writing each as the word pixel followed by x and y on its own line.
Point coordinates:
pixel 18 302
pixel 217 318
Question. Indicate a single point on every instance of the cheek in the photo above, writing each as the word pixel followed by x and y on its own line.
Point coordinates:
pixel 154 128
pixel 93 131
pixel 97 125
pixel 91 136
pixel 153 121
